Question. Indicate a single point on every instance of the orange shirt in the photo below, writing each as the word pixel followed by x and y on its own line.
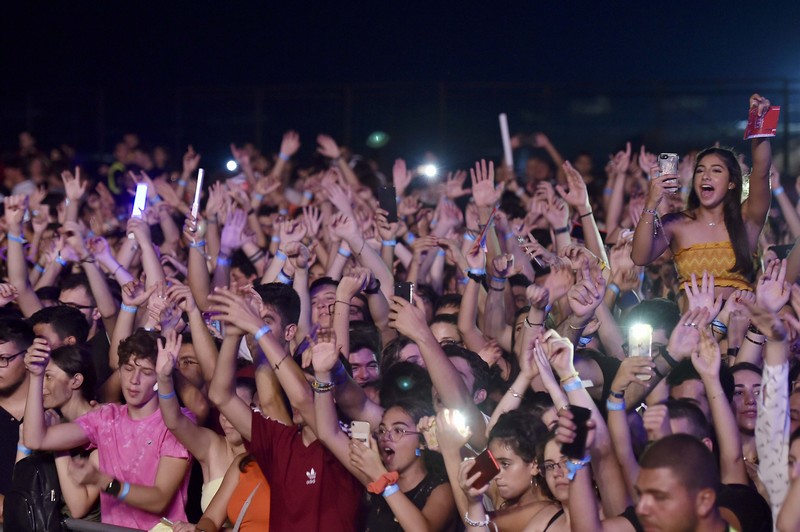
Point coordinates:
pixel 257 516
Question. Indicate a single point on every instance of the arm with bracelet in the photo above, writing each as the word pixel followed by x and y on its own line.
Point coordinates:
pixel 17 270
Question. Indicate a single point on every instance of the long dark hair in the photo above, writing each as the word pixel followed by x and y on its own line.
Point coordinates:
pixel 732 209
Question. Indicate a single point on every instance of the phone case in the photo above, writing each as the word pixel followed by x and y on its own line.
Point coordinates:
pixel 577 449
pixel 487 466
pixel 387 199
pixel 405 290
pixel 359 430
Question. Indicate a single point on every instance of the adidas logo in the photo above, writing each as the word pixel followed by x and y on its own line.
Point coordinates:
pixel 312 477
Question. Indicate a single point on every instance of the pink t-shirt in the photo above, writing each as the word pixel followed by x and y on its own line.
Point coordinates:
pixel 129 450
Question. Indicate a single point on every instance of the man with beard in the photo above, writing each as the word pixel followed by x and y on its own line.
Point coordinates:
pixel 15 338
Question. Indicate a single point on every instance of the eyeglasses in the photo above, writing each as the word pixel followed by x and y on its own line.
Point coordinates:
pixel 75 305
pixel 393 434
pixel 5 360
pixel 186 362
pixel 550 467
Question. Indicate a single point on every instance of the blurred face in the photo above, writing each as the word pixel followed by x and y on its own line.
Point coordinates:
pixel 46 331
pixel 520 300
pixel 240 278
pixel 189 367
pixel 138 376
pixel 12 368
pixel 555 471
pixel 410 353
pixel 665 504
pixel 794 410
pixel 465 372
pixel 712 180
pixel 321 301
pixel 583 164
pixel 515 474
pixel 364 365
pixel 357 309
pixel 446 333
pixel 794 459
pixel 78 298
pixel 745 399
pixel 398 448
pixel 536 170
pixel 692 389
pixel 58 387
pixel 231 434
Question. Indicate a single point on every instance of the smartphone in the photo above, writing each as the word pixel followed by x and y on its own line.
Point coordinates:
pixel 539 266
pixel 405 290
pixel 139 201
pixel 359 431
pixel 783 250
pixel 488 468
pixel 387 199
pixel 668 164
pixel 577 449
pixel 640 341
pixel 431 441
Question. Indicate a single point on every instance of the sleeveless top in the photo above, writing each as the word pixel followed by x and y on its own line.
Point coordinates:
pixel 257 515
pixel 380 516
pixel 208 491
pixel 717 258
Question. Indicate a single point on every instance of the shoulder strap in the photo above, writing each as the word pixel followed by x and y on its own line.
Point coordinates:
pixel 244 508
pixel 554 518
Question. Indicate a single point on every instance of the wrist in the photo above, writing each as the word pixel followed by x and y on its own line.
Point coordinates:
pixel 566 373
pixel 324 376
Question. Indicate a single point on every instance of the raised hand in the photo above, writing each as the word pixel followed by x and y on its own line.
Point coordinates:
pixel 8 293
pixel 647 161
pixel 232 232
pixel 452 433
pixel 290 143
pixel 586 294
pixel 299 255
pixel 772 291
pixel 484 192
pixel 15 212
pixel 408 318
pixel 341 197
pixel 237 310
pixel 707 358
pixel 323 351
pixel 241 156
pixel 760 103
pixel 73 187
pixel 559 351
pixel 140 230
pixel 557 214
pixel 577 195
pixel 454 185
pixel 134 293
pixel 191 161
pixel 168 349
pixel 686 335
pixel 37 356
pixel 503 266
pixel 538 296
pixel 181 296
pixel 632 369
pixel 344 227
pixel 312 218
pixel 291 231
pixel 656 422
pixel 401 177
pixel 216 198
pixel 703 297
pixel 327 147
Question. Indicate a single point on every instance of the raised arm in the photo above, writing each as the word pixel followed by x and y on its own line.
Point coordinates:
pixel 756 206
pixel 17 270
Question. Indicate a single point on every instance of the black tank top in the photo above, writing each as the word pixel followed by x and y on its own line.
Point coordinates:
pixel 380 516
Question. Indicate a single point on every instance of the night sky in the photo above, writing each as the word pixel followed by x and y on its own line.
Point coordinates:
pixel 139 43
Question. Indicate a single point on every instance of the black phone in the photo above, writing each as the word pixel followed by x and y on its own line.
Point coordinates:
pixel 540 268
pixel 487 466
pixel 405 290
pixel 783 250
pixel 387 199
pixel 577 449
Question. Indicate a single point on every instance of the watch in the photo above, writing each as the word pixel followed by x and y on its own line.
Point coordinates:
pixel 113 488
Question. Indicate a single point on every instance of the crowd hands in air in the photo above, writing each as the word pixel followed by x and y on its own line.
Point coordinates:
pixel 251 335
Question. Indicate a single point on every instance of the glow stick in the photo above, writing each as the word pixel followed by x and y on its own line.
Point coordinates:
pixel 197 191
pixel 506 139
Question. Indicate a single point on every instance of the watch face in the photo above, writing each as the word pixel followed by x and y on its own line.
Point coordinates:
pixel 113 487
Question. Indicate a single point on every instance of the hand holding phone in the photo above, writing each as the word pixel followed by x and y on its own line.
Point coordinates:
pixel 405 290
pixel 387 200
pixel 359 431
pixel 580 417
pixel 487 466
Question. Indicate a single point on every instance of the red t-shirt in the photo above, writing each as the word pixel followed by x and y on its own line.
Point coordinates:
pixel 310 488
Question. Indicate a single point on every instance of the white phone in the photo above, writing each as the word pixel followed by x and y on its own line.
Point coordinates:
pixel 359 431
pixel 139 201
pixel 640 340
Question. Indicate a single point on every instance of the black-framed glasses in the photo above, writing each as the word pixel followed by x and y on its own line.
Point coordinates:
pixel 75 305
pixel 393 434
pixel 550 466
pixel 6 359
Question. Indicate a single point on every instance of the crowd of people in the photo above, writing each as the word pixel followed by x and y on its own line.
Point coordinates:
pixel 293 356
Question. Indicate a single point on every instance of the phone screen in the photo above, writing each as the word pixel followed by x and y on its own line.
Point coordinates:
pixel 577 449
pixel 488 468
pixel 139 200
pixel 387 199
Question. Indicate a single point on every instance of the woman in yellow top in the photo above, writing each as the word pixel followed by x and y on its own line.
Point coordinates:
pixel 718 233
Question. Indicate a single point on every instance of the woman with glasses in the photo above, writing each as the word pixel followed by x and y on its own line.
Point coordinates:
pixel 406 490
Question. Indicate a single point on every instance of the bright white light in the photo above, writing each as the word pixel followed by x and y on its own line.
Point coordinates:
pixel 231 165
pixel 429 170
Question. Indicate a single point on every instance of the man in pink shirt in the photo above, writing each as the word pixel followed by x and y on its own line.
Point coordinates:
pixel 142 470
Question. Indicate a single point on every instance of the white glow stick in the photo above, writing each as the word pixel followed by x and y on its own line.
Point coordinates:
pixel 506 139
pixel 197 191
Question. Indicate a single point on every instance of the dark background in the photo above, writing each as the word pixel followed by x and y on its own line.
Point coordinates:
pixel 433 76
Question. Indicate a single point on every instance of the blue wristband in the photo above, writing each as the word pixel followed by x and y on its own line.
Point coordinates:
pixel 283 157
pixel 261 332
pixel 509 236
pixel 614 288
pixel 126 488
pixel 469 237
pixel 577 384
pixel 307 194
pixel 389 243
pixel 24 450
pixel 498 279
pixel 283 212
pixel 477 271
pixel 275 239
pixel 39 268
pixel 155 200
pixel 283 278
pixel 166 396
pixel 280 255
pixel 344 252
pixel 574 466
pixel 61 261
pixel 17 239
pixel 615 407
pixel 410 237
pixel 390 490
pixel 223 261
pixel 778 191
pixel 258 197
pixel 198 245
pixel 128 308
pixel 183 183
pixel 465 280
pixel 441 253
